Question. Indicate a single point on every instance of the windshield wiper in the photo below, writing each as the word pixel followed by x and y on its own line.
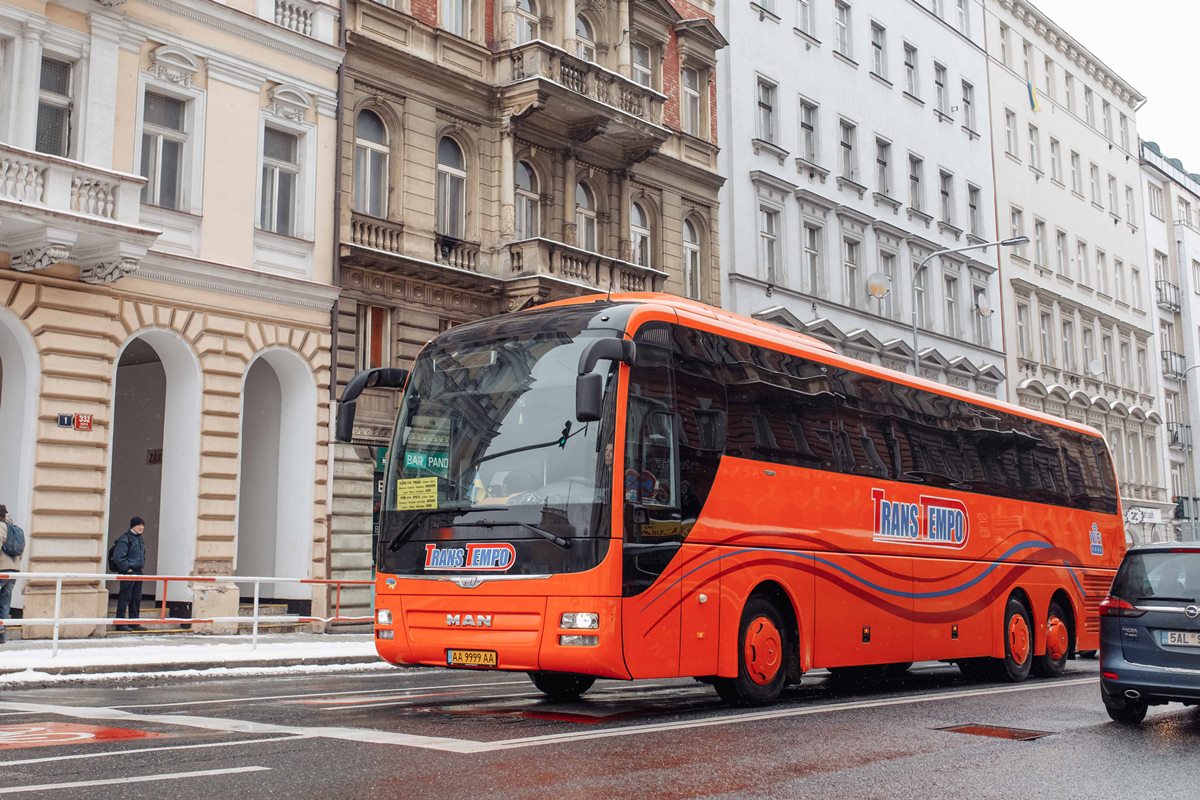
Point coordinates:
pixel 565 544
pixel 1168 598
pixel 426 512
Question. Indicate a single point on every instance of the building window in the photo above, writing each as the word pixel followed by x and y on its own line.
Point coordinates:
pixel 1135 281
pixel 1035 148
pixel 812 259
pixel 1076 174
pixel 808 131
pixel 1124 127
pixel 54 107
pixel 1069 84
pixel 1060 253
pixel 1113 205
pixel 1068 337
pixel 529 23
pixel 280 181
pixel 451 189
pixel 950 287
pixel 1004 45
pixel 1055 160
pixel 1010 132
pixel 887 266
pixel 1106 355
pixel 841 28
pixel 1023 348
pixel 528 210
pixel 851 291
pixel 766 110
pixel 920 294
pixel 585 217
pixel 691 109
pixel 1081 257
pixel 1154 201
pixel 585 40
pixel 1089 106
pixel 964 17
pixel 1122 288
pixel 975 212
pixel 968 103
pixel 768 241
pixel 1106 116
pixel 1047 342
pixel 370 164
pixel 878 50
pixel 1094 182
pixel 373 337
pixel 643 65
pixel 691 260
pixel 639 235
pixel 912 82
pixel 1089 348
pixel 1027 60
pixel 916 181
pixel 804 20
pixel 980 315
pixel 849 159
pixel 1039 242
pixel 456 16
pixel 946 190
pixel 1016 218
pixel 1129 203
pixel 1101 271
pixel 883 166
pixel 940 97
pixel 164 137
pixel 1048 77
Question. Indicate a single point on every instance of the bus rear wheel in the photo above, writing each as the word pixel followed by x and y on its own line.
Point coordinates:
pixel 1018 642
pixel 763 648
pixel 561 686
pixel 1058 643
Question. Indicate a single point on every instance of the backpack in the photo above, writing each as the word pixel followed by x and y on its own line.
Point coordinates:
pixel 14 545
pixel 112 567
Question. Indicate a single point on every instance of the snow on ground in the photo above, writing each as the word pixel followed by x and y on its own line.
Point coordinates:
pixel 34 678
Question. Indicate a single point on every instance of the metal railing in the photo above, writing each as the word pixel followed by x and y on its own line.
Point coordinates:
pixel 57 621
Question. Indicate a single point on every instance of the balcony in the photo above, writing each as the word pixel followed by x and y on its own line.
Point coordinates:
pixel 1174 365
pixel 585 97
pixel 589 270
pixel 456 253
pixel 1167 295
pixel 1179 436
pixel 375 233
pixel 55 210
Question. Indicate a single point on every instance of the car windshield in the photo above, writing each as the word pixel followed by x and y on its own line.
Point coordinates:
pixel 487 447
pixel 1166 576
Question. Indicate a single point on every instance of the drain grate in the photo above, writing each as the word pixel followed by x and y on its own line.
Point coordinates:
pixel 997 732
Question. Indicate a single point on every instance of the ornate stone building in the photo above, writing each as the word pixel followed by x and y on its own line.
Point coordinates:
pixel 496 154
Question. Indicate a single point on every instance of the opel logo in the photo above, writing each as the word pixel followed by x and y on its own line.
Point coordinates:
pixel 1192 611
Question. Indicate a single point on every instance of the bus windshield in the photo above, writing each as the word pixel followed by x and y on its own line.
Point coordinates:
pixel 487 449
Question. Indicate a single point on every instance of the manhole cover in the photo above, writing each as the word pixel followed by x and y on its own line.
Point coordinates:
pixel 997 732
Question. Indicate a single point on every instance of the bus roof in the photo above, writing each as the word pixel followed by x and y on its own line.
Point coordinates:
pixel 740 325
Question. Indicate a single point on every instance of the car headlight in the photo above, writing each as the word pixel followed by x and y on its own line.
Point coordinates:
pixel 383 616
pixel 580 620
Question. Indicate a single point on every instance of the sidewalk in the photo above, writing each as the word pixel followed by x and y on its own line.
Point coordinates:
pixel 28 663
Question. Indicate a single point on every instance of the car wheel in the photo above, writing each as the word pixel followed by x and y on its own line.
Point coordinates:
pixel 763 649
pixel 1123 709
pixel 560 686
pixel 1058 644
pixel 1018 642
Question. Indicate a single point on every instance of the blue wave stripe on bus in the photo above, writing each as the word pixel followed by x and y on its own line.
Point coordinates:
pixel 1030 545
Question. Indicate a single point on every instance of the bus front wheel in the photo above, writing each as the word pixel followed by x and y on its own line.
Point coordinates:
pixel 763 647
pixel 561 687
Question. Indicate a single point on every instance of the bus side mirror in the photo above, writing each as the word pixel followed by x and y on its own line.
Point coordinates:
pixel 380 378
pixel 589 386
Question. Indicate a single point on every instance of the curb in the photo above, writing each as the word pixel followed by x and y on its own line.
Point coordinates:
pixel 101 669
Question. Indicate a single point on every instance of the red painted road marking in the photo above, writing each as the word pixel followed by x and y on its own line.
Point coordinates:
pixel 47 734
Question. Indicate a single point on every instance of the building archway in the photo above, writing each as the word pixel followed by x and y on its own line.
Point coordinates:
pixel 19 383
pixel 155 452
pixel 278 460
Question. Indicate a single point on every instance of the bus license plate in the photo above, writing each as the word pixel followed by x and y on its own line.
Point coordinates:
pixel 1182 638
pixel 471 658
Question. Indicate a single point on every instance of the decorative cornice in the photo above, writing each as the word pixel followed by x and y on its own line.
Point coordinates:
pixel 109 271
pixel 173 64
pixel 40 257
pixel 225 279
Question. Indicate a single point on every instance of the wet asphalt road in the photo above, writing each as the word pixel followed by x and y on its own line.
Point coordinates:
pixel 442 734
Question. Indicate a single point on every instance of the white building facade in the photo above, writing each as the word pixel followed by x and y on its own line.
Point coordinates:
pixel 1079 318
pixel 1172 200
pixel 856 144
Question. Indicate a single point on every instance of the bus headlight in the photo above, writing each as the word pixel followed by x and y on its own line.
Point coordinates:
pixel 386 633
pixel 580 620
pixel 575 640
pixel 384 616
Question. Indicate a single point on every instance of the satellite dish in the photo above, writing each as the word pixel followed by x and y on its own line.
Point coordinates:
pixel 879 285
pixel 1095 368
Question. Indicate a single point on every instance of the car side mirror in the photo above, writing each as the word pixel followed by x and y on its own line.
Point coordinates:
pixel 379 378
pixel 589 386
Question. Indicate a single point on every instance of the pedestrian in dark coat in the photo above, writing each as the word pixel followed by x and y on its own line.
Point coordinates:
pixel 129 558
pixel 7 564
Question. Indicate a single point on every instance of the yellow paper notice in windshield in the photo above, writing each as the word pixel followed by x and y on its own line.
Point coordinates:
pixel 414 494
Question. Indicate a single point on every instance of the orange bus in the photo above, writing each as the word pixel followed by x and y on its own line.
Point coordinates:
pixel 641 486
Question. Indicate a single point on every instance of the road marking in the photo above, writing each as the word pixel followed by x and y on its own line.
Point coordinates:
pixel 451 745
pixel 311 694
pixel 168 776
pixel 108 753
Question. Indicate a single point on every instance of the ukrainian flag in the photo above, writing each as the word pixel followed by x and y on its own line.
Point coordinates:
pixel 1033 96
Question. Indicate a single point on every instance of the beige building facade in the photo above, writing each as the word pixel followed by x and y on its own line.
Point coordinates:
pixel 166 263
pixel 497 154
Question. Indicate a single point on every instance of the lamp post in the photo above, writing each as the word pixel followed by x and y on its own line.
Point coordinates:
pixel 1015 241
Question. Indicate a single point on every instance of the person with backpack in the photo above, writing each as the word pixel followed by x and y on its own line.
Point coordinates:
pixel 12 545
pixel 127 556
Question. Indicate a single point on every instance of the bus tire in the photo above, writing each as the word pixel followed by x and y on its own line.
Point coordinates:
pixel 763 648
pixel 561 687
pixel 1058 643
pixel 1018 642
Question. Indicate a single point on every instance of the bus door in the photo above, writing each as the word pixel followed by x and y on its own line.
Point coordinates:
pixel 653 524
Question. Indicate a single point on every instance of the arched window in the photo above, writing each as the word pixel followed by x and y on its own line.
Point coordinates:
pixel 370 164
pixel 451 189
pixel 585 40
pixel 528 224
pixel 691 260
pixel 528 21
pixel 639 235
pixel 585 217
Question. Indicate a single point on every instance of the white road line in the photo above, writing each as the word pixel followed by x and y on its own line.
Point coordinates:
pixel 169 776
pixel 165 748
pixel 451 745
pixel 251 699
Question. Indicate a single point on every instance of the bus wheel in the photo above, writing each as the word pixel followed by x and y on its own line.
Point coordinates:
pixel 1058 644
pixel 560 686
pixel 1018 642
pixel 762 656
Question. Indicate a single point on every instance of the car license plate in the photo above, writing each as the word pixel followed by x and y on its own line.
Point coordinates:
pixel 1182 638
pixel 471 658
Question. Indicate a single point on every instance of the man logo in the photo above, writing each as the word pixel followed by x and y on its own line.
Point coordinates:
pixel 1192 611
pixel 469 620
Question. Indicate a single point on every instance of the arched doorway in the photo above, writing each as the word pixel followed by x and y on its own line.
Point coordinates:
pixel 155 455
pixel 275 494
pixel 18 422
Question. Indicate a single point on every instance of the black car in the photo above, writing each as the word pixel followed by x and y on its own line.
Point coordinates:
pixel 1150 631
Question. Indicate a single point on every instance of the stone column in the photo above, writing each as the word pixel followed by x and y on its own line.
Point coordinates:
pixel 508 24
pixel 568 28
pixel 624 49
pixel 507 181
pixel 569 232
pixel 624 202
pixel 100 101
pixel 23 121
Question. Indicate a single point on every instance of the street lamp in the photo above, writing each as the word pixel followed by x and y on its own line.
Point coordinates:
pixel 1014 241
